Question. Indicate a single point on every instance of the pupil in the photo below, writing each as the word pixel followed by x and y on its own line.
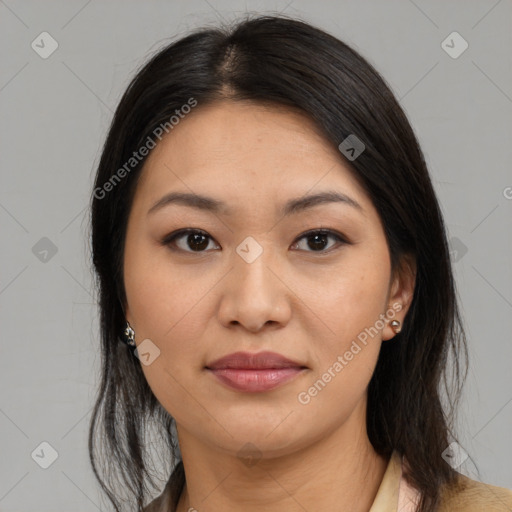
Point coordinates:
pixel 316 237
pixel 194 238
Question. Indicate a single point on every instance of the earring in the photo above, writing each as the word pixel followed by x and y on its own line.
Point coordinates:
pixel 395 324
pixel 129 334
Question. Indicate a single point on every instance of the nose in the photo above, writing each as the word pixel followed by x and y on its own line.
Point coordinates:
pixel 255 295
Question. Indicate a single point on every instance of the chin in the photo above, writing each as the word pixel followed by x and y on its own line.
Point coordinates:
pixel 272 437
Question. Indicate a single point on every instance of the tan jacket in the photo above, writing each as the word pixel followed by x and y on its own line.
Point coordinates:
pixel 395 495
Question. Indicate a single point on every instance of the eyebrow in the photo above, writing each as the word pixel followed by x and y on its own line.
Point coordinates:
pixel 291 207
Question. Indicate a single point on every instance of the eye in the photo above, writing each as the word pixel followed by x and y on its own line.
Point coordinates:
pixel 317 239
pixel 198 241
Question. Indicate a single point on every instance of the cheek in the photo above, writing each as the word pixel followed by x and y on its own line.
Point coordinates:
pixel 169 305
pixel 354 295
pixel 158 296
pixel 345 359
pixel 351 308
pixel 166 307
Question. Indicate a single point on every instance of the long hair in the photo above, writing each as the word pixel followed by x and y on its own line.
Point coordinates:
pixel 285 61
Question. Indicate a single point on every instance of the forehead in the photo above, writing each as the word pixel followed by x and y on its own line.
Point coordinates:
pixel 246 150
pixel 243 134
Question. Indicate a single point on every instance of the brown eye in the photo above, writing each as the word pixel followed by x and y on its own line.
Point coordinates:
pixel 191 240
pixel 318 240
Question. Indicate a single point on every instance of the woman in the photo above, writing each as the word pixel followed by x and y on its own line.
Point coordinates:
pixel 266 234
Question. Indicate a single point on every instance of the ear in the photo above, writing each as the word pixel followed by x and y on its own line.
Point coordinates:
pixel 400 294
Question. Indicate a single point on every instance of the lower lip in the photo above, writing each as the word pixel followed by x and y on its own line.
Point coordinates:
pixel 256 380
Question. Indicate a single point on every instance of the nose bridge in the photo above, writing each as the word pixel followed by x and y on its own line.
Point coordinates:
pixel 253 295
pixel 251 260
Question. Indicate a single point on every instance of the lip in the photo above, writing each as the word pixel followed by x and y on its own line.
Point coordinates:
pixel 263 371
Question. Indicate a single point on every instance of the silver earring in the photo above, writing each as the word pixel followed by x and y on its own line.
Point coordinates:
pixel 395 324
pixel 129 334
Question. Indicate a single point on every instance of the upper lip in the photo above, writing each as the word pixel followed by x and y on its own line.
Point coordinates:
pixel 251 361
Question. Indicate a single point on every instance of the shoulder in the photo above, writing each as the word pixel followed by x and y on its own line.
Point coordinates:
pixel 470 495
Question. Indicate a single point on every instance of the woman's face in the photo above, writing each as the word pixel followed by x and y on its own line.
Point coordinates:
pixel 250 281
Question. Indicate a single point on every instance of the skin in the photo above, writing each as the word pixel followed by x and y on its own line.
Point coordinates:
pixel 307 302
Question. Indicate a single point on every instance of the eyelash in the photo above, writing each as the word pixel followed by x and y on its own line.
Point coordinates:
pixel 171 238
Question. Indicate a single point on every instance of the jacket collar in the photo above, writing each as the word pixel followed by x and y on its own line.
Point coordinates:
pixel 395 494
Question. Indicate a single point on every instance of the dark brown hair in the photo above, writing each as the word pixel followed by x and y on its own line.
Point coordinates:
pixel 276 59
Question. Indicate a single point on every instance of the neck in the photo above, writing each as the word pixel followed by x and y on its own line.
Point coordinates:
pixel 341 471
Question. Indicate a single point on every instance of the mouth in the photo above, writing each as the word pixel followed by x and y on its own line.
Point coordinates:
pixel 259 372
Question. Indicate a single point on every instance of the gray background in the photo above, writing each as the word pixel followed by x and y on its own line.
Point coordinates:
pixel 55 113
